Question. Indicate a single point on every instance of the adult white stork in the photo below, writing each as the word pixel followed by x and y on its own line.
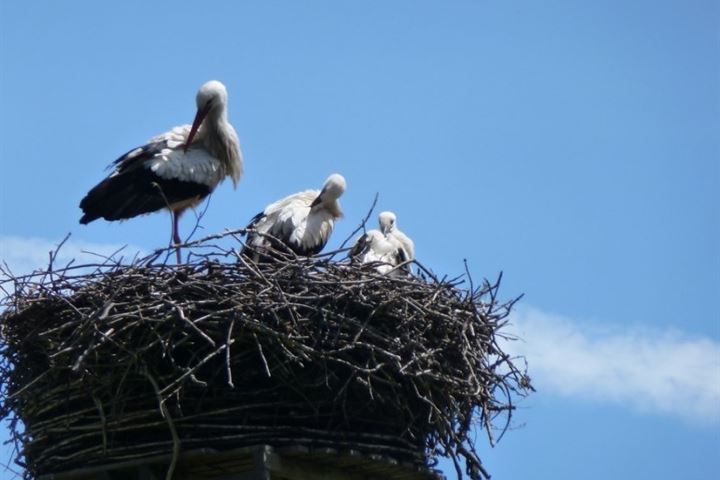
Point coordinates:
pixel 175 170
pixel 389 247
pixel 303 221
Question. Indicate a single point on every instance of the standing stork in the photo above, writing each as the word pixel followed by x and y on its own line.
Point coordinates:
pixel 303 221
pixel 389 247
pixel 175 170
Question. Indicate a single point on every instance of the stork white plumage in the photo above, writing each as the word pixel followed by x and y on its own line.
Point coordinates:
pixel 388 247
pixel 388 226
pixel 175 170
pixel 303 221
pixel 374 247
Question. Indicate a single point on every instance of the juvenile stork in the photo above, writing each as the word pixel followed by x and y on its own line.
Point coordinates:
pixel 389 247
pixel 388 226
pixel 175 170
pixel 303 221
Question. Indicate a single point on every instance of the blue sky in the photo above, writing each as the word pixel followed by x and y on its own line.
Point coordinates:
pixel 573 145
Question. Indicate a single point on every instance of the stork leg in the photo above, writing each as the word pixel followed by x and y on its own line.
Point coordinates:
pixel 176 235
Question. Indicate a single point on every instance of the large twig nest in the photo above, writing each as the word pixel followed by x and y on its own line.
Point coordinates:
pixel 125 361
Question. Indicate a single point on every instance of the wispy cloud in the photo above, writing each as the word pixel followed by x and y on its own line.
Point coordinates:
pixel 26 254
pixel 662 371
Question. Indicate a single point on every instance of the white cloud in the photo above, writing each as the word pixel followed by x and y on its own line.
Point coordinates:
pixel 26 254
pixel 661 371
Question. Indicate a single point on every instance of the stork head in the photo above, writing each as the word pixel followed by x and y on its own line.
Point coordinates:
pixel 332 189
pixel 387 222
pixel 212 97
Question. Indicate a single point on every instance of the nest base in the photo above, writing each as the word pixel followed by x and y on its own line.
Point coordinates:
pixel 261 462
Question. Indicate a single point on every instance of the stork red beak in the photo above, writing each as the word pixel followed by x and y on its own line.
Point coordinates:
pixel 199 117
pixel 317 200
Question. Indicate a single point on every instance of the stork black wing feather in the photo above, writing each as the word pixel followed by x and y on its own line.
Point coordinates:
pixel 360 247
pixel 134 191
pixel 401 256
pixel 137 156
pixel 255 219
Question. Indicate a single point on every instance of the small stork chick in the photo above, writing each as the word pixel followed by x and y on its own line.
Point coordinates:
pixel 389 246
pixel 302 222
pixel 388 225
pixel 175 170
pixel 374 247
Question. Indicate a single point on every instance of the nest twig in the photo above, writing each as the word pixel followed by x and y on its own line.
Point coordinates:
pixel 118 361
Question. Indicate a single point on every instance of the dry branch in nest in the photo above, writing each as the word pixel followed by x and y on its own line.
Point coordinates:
pixel 117 361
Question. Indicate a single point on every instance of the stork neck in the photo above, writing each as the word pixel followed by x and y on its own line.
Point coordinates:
pixel 214 130
pixel 334 208
pixel 220 139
